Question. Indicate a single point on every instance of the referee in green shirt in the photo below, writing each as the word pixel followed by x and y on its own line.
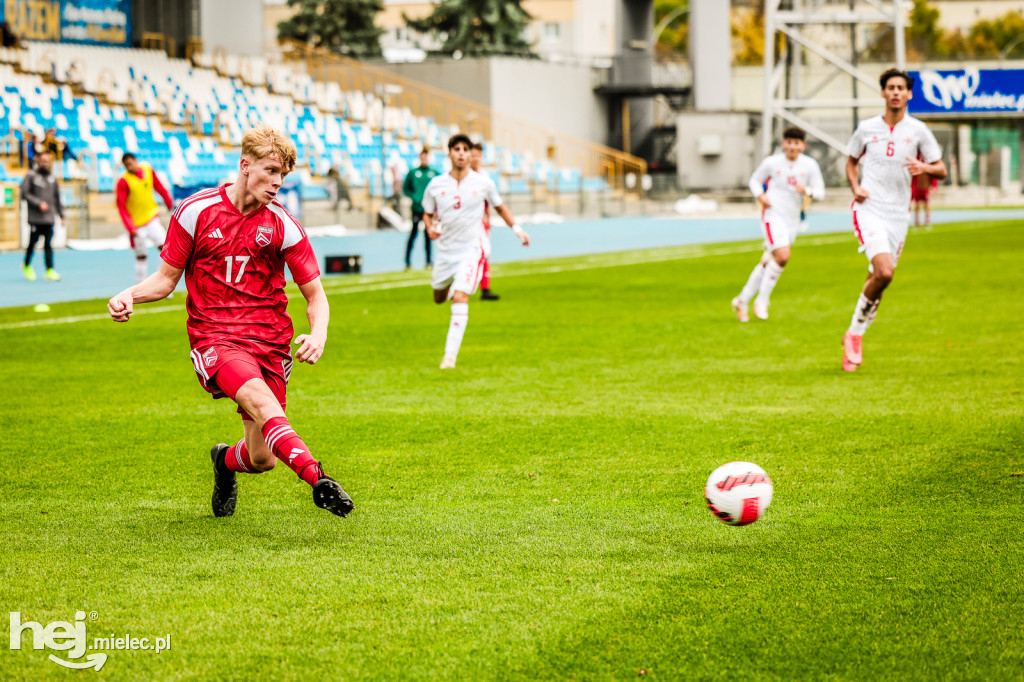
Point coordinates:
pixel 415 182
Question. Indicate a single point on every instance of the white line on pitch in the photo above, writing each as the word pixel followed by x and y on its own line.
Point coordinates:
pixel 592 262
pixel 85 318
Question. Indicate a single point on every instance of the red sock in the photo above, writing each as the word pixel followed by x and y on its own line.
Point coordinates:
pixel 237 459
pixel 289 448
pixel 485 279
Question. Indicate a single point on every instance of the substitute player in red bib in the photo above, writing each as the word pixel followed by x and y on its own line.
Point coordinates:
pixel 232 244
pixel 892 149
pixel 139 211
pixel 454 210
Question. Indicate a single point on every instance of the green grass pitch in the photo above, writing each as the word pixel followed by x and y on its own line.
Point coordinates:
pixel 538 513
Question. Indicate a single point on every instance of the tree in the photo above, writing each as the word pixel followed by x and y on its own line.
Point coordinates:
pixel 477 28
pixel 747 37
pixel 674 40
pixel 344 26
pixel 923 36
pixel 990 37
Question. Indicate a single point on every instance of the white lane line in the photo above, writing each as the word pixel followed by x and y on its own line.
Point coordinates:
pixel 593 262
pixel 610 260
pixel 85 318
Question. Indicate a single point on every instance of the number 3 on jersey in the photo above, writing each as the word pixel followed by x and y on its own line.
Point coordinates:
pixel 242 260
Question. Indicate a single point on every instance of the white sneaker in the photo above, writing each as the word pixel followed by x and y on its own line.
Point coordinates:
pixel 741 310
pixel 447 362
pixel 760 311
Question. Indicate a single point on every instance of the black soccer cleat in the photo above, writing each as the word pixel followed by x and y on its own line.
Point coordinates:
pixel 327 494
pixel 488 295
pixel 225 488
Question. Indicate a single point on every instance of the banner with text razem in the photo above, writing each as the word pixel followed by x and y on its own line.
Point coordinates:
pixel 90 22
pixel 968 91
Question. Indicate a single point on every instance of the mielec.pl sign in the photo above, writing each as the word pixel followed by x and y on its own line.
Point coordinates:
pixel 968 91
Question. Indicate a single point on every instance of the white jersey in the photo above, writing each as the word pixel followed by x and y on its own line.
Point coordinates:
pixel 781 177
pixel 882 152
pixel 458 207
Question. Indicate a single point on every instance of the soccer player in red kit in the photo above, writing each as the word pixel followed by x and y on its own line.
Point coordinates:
pixel 231 244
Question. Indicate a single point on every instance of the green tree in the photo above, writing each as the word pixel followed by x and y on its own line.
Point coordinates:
pixel 988 38
pixel 674 40
pixel 477 28
pixel 344 26
pixel 747 37
pixel 923 36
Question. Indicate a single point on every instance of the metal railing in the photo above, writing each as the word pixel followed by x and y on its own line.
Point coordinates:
pixel 159 41
pixel 515 134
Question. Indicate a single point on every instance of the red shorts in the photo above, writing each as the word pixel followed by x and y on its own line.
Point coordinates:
pixel 918 193
pixel 224 366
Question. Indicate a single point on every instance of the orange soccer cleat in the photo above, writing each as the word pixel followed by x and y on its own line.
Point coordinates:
pixel 852 351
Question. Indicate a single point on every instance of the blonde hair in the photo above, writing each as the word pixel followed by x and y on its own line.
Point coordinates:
pixel 262 141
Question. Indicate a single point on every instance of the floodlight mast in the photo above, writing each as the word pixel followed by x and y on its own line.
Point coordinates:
pixel 789 19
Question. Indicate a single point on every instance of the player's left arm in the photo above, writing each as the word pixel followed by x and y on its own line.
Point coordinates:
pixel 928 148
pixel 506 215
pixel 494 199
pixel 162 191
pixel 936 169
pixel 815 183
pixel 318 312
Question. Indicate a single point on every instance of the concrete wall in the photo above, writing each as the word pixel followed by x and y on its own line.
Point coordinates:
pixel 729 132
pixel 555 96
pixel 710 54
pixel 237 26
pixel 595 28
pixel 469 78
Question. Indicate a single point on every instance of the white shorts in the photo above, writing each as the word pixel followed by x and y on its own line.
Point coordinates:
pixel 461 270
pixel 880 235
pixel 152 232
pixel 778 233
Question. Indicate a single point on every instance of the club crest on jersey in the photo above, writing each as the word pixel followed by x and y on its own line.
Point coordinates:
pixel 210 357
pixel 264 235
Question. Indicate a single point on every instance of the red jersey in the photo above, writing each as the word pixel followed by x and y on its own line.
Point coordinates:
pixel 234 267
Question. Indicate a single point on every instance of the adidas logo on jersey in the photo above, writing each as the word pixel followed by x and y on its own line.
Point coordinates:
pixel 216 234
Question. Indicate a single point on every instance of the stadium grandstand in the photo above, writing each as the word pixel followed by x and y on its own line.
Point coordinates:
pixel 187 117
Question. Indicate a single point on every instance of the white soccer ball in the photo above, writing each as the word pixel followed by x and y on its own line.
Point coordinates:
pixel 738 493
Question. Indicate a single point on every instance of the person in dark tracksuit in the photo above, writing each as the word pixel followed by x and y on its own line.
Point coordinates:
pixel 41 192
pixel 415 182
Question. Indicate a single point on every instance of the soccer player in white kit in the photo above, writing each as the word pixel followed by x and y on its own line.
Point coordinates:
pixel 892 148
pixel 780 184
pixel 453 206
